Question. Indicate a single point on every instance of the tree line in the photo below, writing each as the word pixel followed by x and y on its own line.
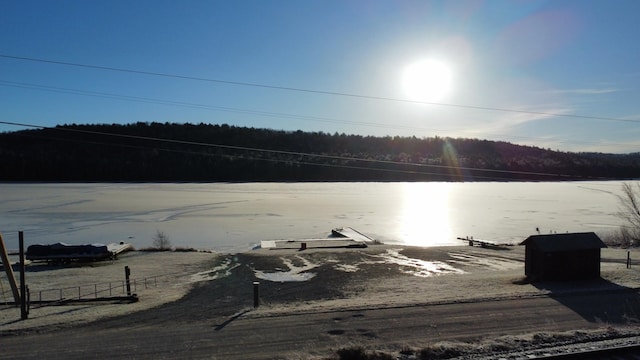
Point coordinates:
pixel 224 153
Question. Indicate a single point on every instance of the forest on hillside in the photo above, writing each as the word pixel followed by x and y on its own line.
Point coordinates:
pixel 223 153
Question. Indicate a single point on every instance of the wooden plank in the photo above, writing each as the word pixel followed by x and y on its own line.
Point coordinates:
pixel 9 270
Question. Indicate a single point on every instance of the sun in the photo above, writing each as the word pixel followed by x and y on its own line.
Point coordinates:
pixel 427 80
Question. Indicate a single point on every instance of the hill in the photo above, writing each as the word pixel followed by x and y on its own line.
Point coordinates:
pixel 206 152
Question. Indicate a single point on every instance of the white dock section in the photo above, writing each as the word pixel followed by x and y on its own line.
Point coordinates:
pixel 352 233
pixel 340 238
pixel 303 244
pixel 115 248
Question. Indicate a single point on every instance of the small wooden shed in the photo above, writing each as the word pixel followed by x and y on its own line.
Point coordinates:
pixel 569 256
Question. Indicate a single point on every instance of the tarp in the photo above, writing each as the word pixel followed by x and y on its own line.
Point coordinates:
pixel 62 251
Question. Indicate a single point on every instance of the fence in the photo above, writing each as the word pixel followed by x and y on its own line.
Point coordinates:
pixel 90 292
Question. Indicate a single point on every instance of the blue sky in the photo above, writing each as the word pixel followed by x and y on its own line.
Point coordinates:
pixel 516 66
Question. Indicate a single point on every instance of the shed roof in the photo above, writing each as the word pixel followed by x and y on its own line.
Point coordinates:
pixel 565 242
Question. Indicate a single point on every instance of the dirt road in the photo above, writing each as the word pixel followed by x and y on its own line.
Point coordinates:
pixel 253 336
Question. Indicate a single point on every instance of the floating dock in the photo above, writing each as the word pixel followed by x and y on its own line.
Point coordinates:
pixel 340 238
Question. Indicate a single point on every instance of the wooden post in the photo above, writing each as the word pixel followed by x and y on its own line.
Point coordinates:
pixel 23 286
pixel 628 259
pixel 9 270
pixel 28 302
pixel 256 294
pixel 127 273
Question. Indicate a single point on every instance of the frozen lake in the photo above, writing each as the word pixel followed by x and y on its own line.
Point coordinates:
pixel 236 217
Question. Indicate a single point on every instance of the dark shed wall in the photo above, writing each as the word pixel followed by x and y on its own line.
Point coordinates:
pixel 571 265
pixel 532 262
pixel 574 256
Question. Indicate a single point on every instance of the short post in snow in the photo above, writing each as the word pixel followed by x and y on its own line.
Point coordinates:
pixel 127 274
pixel 256 294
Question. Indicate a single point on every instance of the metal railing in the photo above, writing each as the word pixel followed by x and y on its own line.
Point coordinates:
pixel 90 291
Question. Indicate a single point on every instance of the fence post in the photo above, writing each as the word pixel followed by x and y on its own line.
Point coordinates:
pixel 28 302
pixel 127 273
pixel 24 313
pixel 628 259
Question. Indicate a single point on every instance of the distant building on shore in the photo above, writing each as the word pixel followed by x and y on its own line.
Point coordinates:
pixel 569 256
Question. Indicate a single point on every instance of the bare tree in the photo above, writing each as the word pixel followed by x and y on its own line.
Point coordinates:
pixel 161 241
pixel 630 213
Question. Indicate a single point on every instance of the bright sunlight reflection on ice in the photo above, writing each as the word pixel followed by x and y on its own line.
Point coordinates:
pixel 425 213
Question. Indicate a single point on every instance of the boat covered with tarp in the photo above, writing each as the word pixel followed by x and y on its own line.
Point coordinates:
pixel 65 252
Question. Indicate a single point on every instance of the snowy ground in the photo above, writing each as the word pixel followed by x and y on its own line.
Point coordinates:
pixel 338 279
pixel 167 275
pixel 415 276
pixel 293 281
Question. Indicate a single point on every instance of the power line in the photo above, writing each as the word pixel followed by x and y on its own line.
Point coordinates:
pixel 253 158
pixel 194 105
pixel 309 155
pixel 64 90
pixel 286 88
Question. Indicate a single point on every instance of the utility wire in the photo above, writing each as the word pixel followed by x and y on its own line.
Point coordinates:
pixel 140 99
pixel 286 88
pixel 297 162
pixel 195 105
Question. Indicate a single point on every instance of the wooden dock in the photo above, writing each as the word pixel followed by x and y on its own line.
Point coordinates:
pixel 480 242
pixel 303 244
pixel 340 238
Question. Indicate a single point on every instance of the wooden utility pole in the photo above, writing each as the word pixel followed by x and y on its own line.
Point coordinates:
pixel 9 270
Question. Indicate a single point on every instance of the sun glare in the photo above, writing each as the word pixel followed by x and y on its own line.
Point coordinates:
pixel 425 218
pixel 427 80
